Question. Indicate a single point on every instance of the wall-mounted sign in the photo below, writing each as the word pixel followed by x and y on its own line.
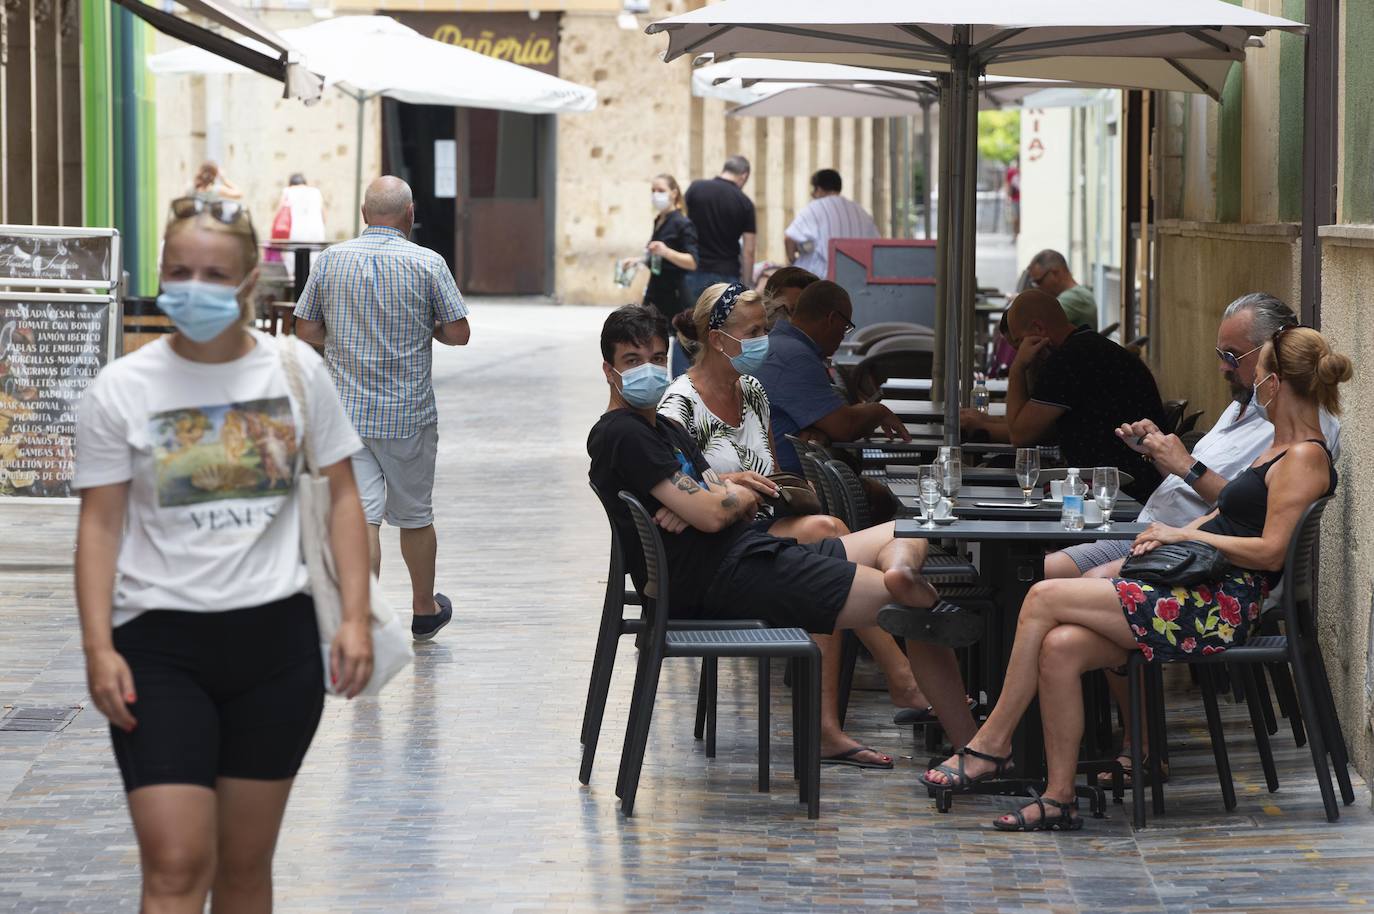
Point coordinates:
pixel 51 349
pixel 513 37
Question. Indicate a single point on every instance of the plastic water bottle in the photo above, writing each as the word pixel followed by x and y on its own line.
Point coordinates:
pixel 1074 490
pixel 980 394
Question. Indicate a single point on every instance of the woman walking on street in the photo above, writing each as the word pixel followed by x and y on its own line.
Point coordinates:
pixel 670 255
pixel 201 645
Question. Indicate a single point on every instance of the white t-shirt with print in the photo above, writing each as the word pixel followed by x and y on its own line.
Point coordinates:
pixel 209 452
pixel 726 448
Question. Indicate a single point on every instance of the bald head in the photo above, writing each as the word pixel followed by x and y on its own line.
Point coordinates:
pixel 388 202
pixel 1036 313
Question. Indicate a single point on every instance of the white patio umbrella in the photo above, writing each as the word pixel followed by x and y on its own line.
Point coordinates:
pixel 368 56
pixel 1182 45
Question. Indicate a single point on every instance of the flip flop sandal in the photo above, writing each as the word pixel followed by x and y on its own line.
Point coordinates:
pixel 909 716
pixel 851 758
pixel 1127 773
pixel 944 623
pixel 959 782
pixel 1064 821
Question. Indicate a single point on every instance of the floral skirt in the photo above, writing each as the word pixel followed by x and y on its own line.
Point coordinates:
pixel 1172 622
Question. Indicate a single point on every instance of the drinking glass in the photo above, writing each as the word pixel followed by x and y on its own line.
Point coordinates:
pixel 1027 472
pixel 951 476
pixel 929 482
pixel 1106 487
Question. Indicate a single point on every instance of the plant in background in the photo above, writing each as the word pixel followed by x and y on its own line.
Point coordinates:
pixel 999 136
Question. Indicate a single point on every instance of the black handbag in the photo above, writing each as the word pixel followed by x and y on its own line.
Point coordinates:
pixel 1177 565
pixel 795 497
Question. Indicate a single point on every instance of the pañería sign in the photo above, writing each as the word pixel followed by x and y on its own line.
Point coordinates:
pixel 513 37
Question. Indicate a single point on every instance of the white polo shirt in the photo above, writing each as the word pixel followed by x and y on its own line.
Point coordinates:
pixel 828 217
pixel 1228 449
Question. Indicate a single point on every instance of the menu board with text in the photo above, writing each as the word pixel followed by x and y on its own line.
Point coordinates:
pixel 51 349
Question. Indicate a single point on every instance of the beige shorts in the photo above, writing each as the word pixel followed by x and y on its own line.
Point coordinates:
pixel 396 478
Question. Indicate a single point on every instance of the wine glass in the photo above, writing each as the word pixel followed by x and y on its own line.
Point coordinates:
pixel 1106 487
pixel 929 483
pixel 1027 472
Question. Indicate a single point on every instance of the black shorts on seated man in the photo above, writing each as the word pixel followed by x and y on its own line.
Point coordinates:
pixel 721 567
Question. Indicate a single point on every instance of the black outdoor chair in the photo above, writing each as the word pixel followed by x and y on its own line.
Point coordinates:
pixel 1298 648
pixel 894 357
pixel 661 642
pixel 1173 415
pixel 613 626
pixel 1188 423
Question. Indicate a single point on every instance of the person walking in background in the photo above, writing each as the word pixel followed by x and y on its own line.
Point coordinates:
pixel 201 643
pixel 671 253
pixel 1014 197
pixel 1049 272
pixel 300 218
pixel 828 215
pixel 211 184
pixel 724 219
pixel 377 303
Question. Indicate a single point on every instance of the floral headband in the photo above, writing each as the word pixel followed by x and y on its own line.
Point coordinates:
pixel 720 311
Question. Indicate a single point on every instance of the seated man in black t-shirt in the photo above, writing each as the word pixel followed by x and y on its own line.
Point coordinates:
pixel 1084 388
pixel 721 566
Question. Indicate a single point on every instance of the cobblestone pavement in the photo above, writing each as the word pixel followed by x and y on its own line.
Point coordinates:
pixel 457 791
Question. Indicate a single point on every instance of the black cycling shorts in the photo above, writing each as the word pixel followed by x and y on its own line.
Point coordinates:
pixel 235 694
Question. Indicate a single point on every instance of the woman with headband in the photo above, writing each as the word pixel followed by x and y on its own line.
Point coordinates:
pixel 725 410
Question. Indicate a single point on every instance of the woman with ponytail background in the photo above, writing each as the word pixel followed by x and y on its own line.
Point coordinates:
pixel 670 255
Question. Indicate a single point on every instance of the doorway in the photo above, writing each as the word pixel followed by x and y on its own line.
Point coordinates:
pixel 483 182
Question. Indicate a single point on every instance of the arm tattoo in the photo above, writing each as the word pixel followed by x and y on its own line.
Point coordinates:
pixel 685 483
pixel 712 478
pixel 730 501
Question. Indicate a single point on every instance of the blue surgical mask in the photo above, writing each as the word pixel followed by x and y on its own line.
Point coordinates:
pixel 752 353
pixel 643 385
pixel 200 310
pixel 1261 408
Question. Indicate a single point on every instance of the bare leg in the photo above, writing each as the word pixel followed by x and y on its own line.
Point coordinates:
pixel 175 827
pixel 810 529
pixel 833 739
pixel 901 682
pixel 1067 652
pixel 1092 604
pixel 419 547
pixel 250 814
pixel 937 670
pixel 374 547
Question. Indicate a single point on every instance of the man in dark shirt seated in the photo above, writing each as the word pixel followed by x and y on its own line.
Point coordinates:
pixel 1085 387
pixel 722 566
pixel 794 375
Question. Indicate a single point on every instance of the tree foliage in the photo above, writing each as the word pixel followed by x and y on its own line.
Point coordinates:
pixel 999 136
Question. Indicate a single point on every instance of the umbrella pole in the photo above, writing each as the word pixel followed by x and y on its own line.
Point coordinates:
pixel 968 242
pixel 925 163
pixel 952 198
pixel 361 98
pixel 942 254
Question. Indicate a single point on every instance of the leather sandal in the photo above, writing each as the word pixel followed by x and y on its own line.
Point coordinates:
pixel 958 781
pixel 1065 820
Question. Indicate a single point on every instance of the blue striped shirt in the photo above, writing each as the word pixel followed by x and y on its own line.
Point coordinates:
pixel 379 296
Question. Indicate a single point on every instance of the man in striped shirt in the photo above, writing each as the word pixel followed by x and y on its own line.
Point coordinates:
pixel 828 215
pixel 377 303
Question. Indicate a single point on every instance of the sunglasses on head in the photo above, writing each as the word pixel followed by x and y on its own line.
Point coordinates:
pixel 1274 340
pixel 227 212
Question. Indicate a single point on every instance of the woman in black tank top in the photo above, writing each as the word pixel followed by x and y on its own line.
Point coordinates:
pixel 1070 626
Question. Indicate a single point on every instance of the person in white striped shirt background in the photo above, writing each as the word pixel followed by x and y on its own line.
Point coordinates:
pixel 828 215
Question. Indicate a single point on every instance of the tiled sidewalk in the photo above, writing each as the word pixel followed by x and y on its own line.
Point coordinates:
pixel 457 791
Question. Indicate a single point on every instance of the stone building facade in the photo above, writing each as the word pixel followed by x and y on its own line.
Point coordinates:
pixel 1228 201
pixel 600 162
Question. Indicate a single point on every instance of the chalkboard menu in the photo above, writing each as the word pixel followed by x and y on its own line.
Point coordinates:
pixel 52 257
pixel 51 349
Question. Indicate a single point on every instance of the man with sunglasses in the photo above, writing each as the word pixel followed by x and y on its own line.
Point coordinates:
pixel 1193 480
pixel 795 377
pixel 1049 272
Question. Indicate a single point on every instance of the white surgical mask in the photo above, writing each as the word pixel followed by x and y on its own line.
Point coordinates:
pixel 661 199
pixel 1261 408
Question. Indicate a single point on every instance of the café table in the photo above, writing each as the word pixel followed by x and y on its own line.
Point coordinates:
pixel 902 467
pixel 1012 558
pixel 919 388
pixel 931 410
pixel 1001 503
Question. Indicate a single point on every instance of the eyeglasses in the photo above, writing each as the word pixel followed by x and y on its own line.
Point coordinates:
pixel 1233 360
pixel 227 212
pixel 1036 281
pixel 848 324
